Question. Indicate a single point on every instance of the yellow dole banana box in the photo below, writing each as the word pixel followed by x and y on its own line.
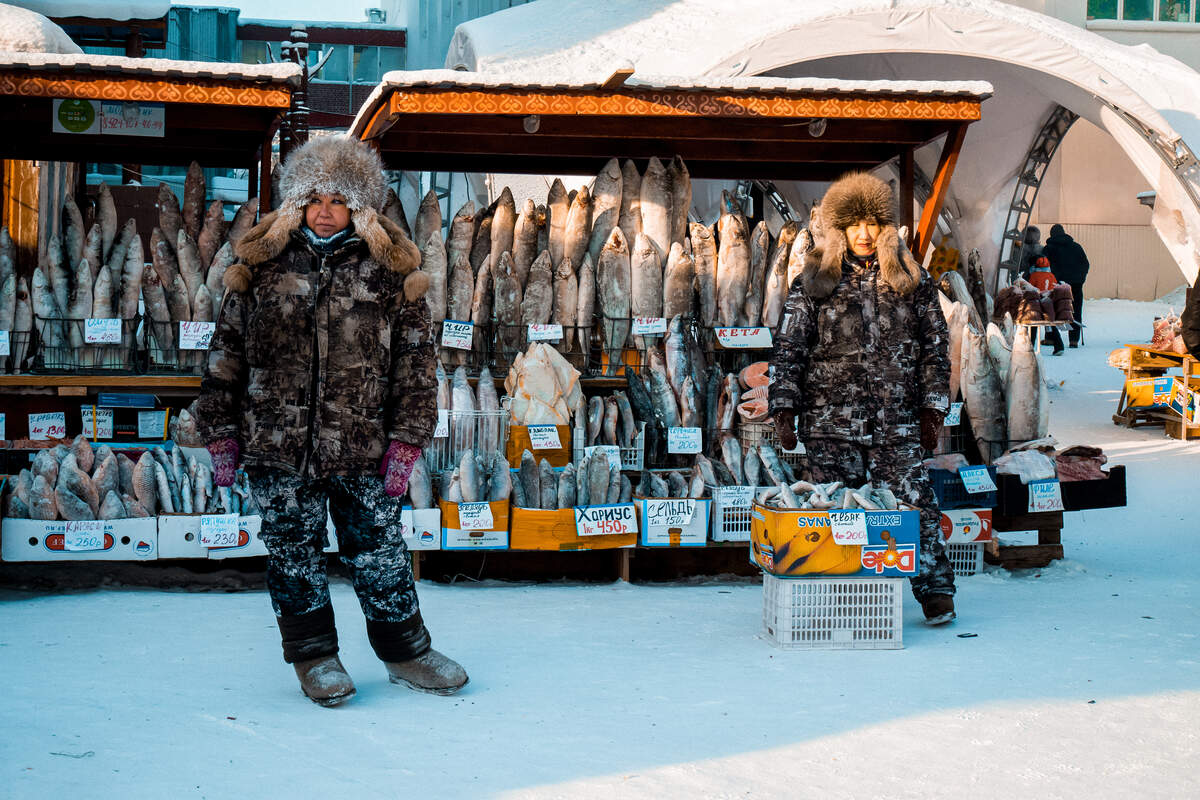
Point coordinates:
pixel 801 543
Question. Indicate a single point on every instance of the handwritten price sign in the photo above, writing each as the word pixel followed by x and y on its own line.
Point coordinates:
pixel 683 440
pixel 954 415
pixel 665 514
pixel 443 424
pixel 84 535
pixel 1045 496
pixel 219 530
pixel 744 337
pixel 457 335
pixel 545 333
pixel 849 527
pixel 614 520
pixel 196 335
pixel 475 517
pixel 102 331
pixel 101 427
pixel 48 426
pixel 648 326
pixel 544 437
pixel 976 479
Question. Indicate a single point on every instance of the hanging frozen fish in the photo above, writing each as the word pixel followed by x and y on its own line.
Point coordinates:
pixel 460 289
pixel 73 233
pixel 733 271
pixel 661 394
pixel 462 228
pixel 1026 393
pixel 585 313
pixel 193 200
pixel 566 302
pixel 689 404
pixel 500 484
pixel 760 243
pixel 481 242
pixel 579 227
pixel 630 218
pixel 606 207
pixel 678 283
pixel 481 310
pixel 57 279
pixel 393 209
pixel 93 248
pixel 646 275
pixel 504 222
pixel 215 279
pixel 704 255
pixel 613 491
pixel 984 396
pixel 609 426
pixel 462 401
pixel 243 221
pixel 595 419
pixel 131 279
pixel 157 309
pixel 525 241
pixel 114 260
pixel 681 200
pixel 676 355
pixel 212 234
pixel 557 209
pixel 188 258
pixel 956 322
pixel 508 306
pixel 801 247
pixel 628 426
pixel 79 302
pixel 170 221
pixel 428 219
pixel 613 287
pixel 488 402
pixel 22 324
pixel 529 477
pixel 775 291
pixel 539 293
pixel 657 206
pixel 433 264
pixel 177 300
pixel 106 216
pixel 1000 352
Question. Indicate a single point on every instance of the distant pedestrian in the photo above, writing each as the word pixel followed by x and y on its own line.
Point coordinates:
pixel 1044 280
pixel 1031 250
pixel 1070 265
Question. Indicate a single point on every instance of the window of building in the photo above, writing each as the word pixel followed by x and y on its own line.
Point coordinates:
pixel 1143 10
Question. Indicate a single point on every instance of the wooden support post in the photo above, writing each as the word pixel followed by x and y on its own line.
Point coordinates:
pixel 907 180
pixel 941 186
pixel 264 175
pixel 252 180
pixel 624 557
pixel 416 564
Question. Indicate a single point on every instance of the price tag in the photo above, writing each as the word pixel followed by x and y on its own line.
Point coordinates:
pixel 737 496
pixel 102 331
pixel 103 427
pixel 954 415
pixel 475 517
pixel 443 424
pixel 611 450
pixel 976 479
pixel 219 530
pixel 196 335
pixel 4 344
pixel 683 440
pixel 3 433
pixel 648 326
pixel 152 424
pixel 849 527
pixel 545 333
pixel 544 437
pixel 1045 496
pixel 457 334
pixel 48 426
pixel 84 535
pixel 744 337
pixel 665 514
pixel 614 520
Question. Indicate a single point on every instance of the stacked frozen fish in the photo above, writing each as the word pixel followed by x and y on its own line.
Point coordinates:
pixel 469 429
pixel 543 388
pixel 16 310
pixel 593 480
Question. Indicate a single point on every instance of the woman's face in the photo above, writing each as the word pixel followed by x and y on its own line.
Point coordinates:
pixel 861 237
pixel 326 214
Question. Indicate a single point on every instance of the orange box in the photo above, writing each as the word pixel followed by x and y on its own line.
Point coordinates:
pixel 518 442
pixel 544 529
pixel 794 543
pixel 494 538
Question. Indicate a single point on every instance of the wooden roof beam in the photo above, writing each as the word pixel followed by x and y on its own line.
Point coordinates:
pixel 941 187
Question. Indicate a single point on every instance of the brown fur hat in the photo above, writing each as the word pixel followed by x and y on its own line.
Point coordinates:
pixel 855 196
pixel 331 165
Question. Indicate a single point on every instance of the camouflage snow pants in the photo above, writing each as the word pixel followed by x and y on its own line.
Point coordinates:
pixel 899 466
pixel 370 544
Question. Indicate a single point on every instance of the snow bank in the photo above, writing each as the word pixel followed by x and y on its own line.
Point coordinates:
pixel 25 31
pixel 101 9
pixel 278 73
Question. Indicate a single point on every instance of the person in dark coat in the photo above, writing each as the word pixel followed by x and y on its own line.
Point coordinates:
pixel 1189 323
pixel 1031 250
pixel 862 365
pixel 1070 265
pixel 321 382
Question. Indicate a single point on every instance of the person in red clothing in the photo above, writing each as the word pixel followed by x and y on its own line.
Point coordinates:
pixel 1043 279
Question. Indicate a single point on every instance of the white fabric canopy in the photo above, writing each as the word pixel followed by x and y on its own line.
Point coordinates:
pixel 1139 96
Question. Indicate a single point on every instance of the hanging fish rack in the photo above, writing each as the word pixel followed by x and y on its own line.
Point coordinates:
pixel 70 353
pixel 475 359
pixel 509 340
pixel 479 431
pixel 632 458
pixel 160 341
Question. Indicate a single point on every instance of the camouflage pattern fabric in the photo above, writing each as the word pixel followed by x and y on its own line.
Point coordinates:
pixel 899 466
pixel 860 364
pixel 320 363
pixel 370 543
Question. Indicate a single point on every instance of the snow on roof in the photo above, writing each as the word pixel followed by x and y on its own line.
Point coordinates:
pixel 505 80
pixel 22 30
pixel 316 23
pixel 164 67
pixel 101 9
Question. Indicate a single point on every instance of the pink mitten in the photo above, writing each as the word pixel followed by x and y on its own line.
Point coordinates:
pixel 224 454
pixel 397 467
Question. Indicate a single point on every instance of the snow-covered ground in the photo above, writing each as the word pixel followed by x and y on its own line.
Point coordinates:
pixel 1083 679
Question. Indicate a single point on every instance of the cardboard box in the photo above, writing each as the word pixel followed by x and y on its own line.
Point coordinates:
pixel 493 538
pixel 1149 392
pixel 800 543
pixel 538 529
pixel 967 525
pixel 660 526
pixel 518 443
pixel 422 528
pixel 1184 401
pixel 249 541
pixel 179 536
pixel 38 540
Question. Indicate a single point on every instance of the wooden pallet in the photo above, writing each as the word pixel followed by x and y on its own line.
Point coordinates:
pixel 1049 548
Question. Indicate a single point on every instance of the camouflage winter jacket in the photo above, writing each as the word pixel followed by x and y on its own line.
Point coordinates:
pixel 860 364
pixel 320 362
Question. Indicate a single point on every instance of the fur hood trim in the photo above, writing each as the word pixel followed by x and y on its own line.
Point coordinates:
pixel 385 241
pixel 858 195
pixel 333 165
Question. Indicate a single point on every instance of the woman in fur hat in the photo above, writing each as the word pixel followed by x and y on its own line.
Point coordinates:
pixel 861 363
pixel 321 382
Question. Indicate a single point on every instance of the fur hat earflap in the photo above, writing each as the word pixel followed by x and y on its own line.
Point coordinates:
pixel 237 277
pixel 334 165
pixel 856 196
pixel 268 238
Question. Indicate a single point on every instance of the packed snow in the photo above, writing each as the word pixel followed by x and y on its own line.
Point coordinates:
pixel 101 9
pixel 25 31
pixel 282 72
pixel 1078 680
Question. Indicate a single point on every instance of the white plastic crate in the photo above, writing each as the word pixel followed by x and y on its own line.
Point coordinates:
pixel 752 434
pixel 730 516
pixel 481 431
pixel 834 613
pixel 965 557
pixel 632 458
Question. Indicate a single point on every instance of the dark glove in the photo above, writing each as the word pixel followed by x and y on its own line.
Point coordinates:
pixel 224 454
pixel 397 467
pixel 785 429
pixel 931 427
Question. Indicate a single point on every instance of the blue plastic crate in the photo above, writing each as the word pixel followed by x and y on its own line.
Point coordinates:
pixel 951 493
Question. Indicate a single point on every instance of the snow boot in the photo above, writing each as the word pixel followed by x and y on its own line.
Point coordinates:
pixel 431 672
pixel 938 608
pixel 324 680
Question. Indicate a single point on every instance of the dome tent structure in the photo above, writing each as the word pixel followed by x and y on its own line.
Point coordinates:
pixel 1149 103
